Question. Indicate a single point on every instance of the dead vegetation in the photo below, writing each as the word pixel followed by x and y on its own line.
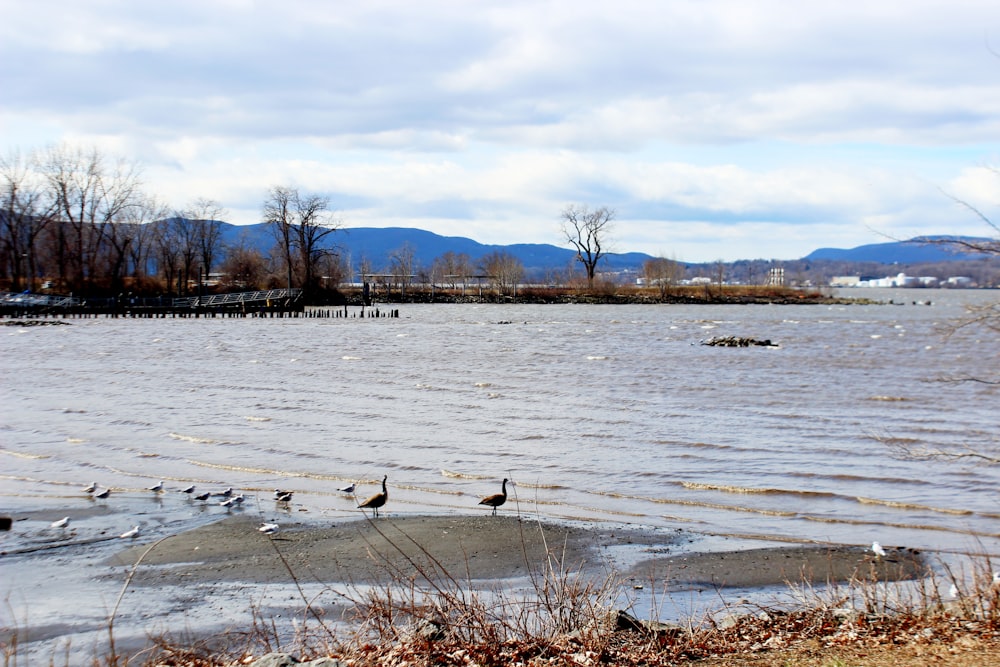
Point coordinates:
pixel 429 616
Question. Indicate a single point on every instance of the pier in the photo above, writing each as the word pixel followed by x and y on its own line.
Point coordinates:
pixel 277 303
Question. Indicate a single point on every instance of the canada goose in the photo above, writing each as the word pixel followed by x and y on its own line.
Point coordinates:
pixel 378 500
pixel 497 499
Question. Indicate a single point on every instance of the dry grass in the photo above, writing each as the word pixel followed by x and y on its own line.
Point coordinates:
pixel 429 616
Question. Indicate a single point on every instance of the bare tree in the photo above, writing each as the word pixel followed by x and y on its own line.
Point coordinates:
pixel 89 196
pixel 127 240
pixel 205 217
pixel 300 223
pixel 451 267
pixel 587 232
pixel 402 265
pixel 244 267
pixel 662 273
pixel 314 224
pixel 25 212
pixel 144 218
pixel 505 271
pixel 167 252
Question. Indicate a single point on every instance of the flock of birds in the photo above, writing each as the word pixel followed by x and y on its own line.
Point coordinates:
pixel 229 499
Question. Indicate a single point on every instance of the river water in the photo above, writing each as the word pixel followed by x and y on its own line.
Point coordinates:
pixel 599 413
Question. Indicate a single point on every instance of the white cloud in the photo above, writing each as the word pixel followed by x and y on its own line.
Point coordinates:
pixel 740 122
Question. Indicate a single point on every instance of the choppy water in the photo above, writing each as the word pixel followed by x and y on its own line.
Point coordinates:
pixel 606 413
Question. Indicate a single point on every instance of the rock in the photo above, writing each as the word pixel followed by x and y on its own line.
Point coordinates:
pixel 737 341
pixel 627 621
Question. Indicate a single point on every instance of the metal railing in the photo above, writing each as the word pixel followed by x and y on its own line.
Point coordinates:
pixel 39 300
pixel 237 298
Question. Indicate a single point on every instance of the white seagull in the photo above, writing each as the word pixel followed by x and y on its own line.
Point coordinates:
pixel 90 488
pixel 156 488
pixel 878 550
pixel 61 523
pixel 102 494
pixel 188 489
pixel 203 496
pixel 348 489
pixel 130 533
pixel 953 591
pixel 285 497
pixel 225 494
pixel 268 528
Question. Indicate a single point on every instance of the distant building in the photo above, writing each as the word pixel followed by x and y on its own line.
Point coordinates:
pixel 845 281
pixel 898 280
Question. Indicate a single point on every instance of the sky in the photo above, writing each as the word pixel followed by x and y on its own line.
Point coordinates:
pixel 715 129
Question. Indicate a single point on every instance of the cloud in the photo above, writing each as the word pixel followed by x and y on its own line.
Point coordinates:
pixel 768 128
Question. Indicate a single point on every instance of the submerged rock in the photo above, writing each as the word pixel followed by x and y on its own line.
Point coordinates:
pixel 737 341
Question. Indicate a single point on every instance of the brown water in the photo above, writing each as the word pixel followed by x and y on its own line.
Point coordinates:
pixel 599 413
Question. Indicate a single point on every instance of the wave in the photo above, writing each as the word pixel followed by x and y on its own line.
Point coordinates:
pixel 200 441
pixel 912 506
pixel 700 486
pixel 22 455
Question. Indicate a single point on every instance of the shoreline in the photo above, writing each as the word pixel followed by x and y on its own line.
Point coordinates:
pixel 483 548
pixel 226 574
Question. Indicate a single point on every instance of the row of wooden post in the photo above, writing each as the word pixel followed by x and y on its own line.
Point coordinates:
pixel 310 313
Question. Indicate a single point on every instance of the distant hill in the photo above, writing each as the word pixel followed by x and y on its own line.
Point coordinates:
pixel 377 244
pixel 914 251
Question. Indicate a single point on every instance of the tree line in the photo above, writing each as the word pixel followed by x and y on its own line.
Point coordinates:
pixel 75 220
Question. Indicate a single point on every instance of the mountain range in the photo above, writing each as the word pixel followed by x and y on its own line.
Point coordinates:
pixel 377 245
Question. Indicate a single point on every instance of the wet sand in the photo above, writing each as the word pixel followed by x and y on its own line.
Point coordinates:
pixel 487 548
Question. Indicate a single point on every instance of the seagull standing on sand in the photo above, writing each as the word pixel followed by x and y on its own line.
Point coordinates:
pixel 202 496
pixel 878 550
pixel 235 501
pixel 378 500
pixel 268 528
pixel 90 488
pixel 128 534
pixel 156 488
pixel 102 494
pixel 188 489
pixel 61 523
pixel 225 494
pixel 497 499
pixel 349 489
pixel 283 497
